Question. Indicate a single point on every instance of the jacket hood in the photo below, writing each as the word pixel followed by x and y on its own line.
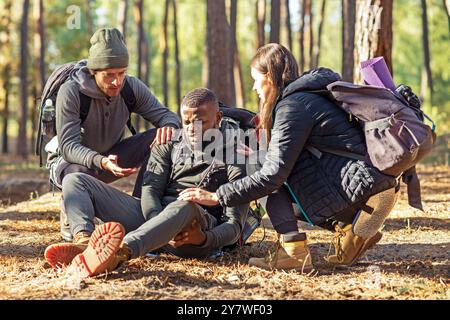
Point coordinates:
pixel 86 82
pixel 315 79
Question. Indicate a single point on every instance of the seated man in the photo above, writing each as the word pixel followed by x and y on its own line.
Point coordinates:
pixel 158 218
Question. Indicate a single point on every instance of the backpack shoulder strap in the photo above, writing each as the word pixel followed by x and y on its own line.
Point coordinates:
pixel 85 105
pixel 130 100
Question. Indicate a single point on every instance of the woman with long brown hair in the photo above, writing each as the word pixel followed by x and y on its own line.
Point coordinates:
pixel 297 181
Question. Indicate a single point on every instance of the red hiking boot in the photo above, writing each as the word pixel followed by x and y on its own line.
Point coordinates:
pixel 105 241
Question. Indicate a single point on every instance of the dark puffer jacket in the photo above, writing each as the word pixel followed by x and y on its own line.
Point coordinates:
pixel 324 186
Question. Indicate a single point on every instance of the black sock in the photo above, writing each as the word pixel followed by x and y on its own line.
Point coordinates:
pixel 294 236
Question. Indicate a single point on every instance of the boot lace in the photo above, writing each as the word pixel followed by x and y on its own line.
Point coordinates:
pixel 272 256
pixel 336 242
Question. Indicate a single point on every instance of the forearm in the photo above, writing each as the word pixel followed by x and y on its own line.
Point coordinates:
pixel 150 203
pixel 76 153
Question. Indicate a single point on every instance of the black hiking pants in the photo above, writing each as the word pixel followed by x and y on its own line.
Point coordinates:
pixel 132 152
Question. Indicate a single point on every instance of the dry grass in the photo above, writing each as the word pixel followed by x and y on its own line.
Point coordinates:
pixel 412 261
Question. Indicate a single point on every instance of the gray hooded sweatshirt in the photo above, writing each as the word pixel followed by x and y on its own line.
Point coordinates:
pixel 105 124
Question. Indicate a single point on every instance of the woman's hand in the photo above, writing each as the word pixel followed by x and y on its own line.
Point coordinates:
pixel 200 196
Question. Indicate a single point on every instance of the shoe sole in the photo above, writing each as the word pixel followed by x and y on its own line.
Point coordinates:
pixel 303 269
pixel 59 255
pixel 104 243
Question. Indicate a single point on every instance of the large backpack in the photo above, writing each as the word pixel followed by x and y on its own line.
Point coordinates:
pixel 393 124
pixel 47 106
pixel 245 118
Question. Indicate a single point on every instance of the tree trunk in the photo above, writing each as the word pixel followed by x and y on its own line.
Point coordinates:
pixel 348 38
pixel 287 15
pixel 309 12
pixel 177 56
pixel 22 142
pixel 165 50
pixel 218 44
pixel 319 33
pixel 275 21
pixel 447 11
pixel 5 49
pixel 39 53
pixel 373 34
pixel 89 18
pixel 122 17
pixel 427 79
pixel 237 69
pixel 146 69
pixel 138 18
pixel 39 43
pixel 302 35
pixel 260 22
pixel 6 73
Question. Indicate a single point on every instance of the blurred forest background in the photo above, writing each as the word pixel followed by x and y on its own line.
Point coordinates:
pixel 177 45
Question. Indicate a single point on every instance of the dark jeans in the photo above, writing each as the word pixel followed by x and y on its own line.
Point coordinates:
pixel 131 152
pixel 87 198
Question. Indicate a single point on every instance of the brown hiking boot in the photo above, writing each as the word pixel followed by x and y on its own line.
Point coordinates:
pixel 124 254
pixel 81 238
pixel 352 246
pixel 287 256
pixel 62 254
pixel 100 253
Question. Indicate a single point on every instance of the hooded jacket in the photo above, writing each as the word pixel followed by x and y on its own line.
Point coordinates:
pixel 325 186
pixel 106 122
pixel 175 166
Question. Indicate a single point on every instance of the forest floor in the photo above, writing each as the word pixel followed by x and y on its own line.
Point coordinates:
pixel 412 260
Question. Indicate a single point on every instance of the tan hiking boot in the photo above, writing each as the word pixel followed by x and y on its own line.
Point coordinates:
pixel 122 255
pixel 287 256
pixel 81 238
pixel 59 255
pixel 100 254
pixel 352 246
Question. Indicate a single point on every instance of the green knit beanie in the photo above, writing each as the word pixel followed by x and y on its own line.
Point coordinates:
pixel 107 50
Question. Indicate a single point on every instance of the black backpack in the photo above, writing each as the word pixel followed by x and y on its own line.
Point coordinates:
pixel 245 118
pixel 47 106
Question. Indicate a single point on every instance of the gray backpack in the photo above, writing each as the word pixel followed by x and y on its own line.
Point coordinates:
pixel 396 136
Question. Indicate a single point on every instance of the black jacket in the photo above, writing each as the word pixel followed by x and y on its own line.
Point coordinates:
pixel 172 168
pixel 323 186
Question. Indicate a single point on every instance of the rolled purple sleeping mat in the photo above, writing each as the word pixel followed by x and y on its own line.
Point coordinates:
pixel 376 73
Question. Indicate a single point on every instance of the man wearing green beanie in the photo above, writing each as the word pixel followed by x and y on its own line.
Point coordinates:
pixel 97 145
